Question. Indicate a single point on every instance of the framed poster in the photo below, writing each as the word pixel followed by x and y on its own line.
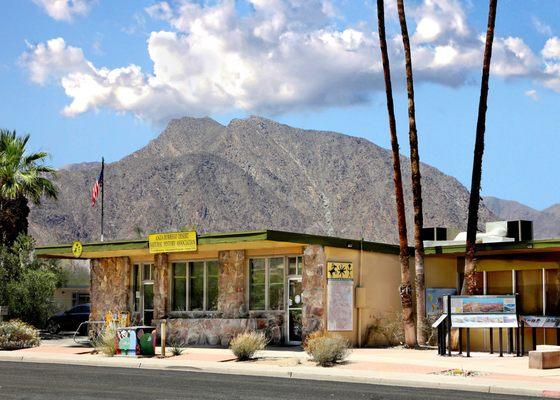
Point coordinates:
pixel 340 294
pixel 483 304
pixel 434 299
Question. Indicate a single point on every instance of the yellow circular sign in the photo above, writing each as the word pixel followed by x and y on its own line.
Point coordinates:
pixel 77 249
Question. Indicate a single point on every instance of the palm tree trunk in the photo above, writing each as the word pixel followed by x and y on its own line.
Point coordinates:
pixel 470 283
pixel 405 288
pixel 416 185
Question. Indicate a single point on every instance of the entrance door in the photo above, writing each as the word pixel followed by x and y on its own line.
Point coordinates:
pixel 295 305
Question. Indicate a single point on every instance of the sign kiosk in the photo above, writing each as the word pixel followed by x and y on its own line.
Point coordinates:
pixel 486 312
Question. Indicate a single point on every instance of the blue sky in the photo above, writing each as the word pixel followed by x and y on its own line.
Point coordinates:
pixel 114 72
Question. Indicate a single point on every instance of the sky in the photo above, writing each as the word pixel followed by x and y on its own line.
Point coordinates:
pixel 92 78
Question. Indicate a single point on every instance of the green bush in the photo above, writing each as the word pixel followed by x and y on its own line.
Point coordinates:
pixel 27 284
pixel 16 334
pixel 327 349
pixel 246 344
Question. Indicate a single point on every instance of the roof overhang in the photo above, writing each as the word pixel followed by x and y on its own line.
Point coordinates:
pixel 209 242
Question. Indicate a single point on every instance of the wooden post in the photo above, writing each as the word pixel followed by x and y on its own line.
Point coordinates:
pixel 163 336
pixel 501 342
pixel 522 338
pixel 449 326
pixel 491 341
pixel 534 337
pixel 461 340
pixel 468 342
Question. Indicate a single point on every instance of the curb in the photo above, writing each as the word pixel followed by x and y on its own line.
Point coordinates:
pixel 289 374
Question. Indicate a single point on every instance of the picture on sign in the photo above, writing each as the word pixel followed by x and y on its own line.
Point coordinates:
pixel 483 304
pixel 484 321
pixel 537 321
pixel 340 270
pixel 434 299
pixel 340 306
pixel 172 242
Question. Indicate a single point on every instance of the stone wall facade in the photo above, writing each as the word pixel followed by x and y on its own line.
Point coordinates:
pixel 110 286
pixel 231 284
pixel 220 331
pixel 161 285
pixel 314 283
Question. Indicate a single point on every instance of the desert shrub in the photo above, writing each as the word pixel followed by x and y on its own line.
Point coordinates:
pixel 246 344
pixel 177 347
pixel 16 334
pixel 106 342
pixel 327 349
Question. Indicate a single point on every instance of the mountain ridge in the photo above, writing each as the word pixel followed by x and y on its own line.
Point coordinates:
pixel 253 173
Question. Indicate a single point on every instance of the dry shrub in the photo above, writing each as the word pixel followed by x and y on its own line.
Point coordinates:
pixel 246 344
pixel 326 349
pixel 16 334
pixel 106 342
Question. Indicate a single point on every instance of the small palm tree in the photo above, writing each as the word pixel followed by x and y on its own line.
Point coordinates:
pixel 24 177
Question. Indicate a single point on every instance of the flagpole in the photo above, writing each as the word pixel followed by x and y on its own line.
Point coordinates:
pixel 102 189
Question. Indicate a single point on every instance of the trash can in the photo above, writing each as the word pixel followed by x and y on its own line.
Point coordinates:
pixel 135 341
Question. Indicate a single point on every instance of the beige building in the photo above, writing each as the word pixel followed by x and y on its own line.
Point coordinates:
pixel 291 284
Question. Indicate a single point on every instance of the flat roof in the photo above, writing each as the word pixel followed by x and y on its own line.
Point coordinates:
pixel 115 246
pixel 541 245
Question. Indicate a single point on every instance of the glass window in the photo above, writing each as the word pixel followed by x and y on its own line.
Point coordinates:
pixel 197 281
pixel 149 297
pixel 553 292
pixel 179 289
pixel 276 283
pixel 136 282
pixel 212 279
pixel 293 265
pixel 499 282
pixel 196 285
pixel 529 287
pixel 257 283
pixel 266 283
pixel 148 272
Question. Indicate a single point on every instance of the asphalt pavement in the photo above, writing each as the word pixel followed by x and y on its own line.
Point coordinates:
pixel 20 380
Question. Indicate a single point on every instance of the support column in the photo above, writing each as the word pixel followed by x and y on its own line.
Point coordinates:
pixel 231 285
pixel 161 285
pixel 314 284
pixel 109 286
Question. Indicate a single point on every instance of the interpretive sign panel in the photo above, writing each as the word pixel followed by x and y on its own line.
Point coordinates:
pixel 484 321
pixel 172 242
pixel 340 294
pixel 483 304
pixel 537 321
pixel 434 299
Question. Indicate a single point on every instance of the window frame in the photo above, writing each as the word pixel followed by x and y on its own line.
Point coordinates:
pixel 187 285
pixel 267 259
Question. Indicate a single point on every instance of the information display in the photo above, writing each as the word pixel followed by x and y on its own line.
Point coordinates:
pixel 483 311
pixel 539 321
pixel 340 294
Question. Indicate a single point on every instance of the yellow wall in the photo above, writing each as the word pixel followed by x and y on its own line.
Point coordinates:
pixel 380 279
pixel 440 272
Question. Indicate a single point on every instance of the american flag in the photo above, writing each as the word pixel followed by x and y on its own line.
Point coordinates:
pixel 97 186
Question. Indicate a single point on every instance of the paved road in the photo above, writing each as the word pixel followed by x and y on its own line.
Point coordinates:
pixel 20 380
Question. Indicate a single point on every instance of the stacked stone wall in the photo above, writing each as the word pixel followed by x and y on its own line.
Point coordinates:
pixel 110 286
pixel 314 284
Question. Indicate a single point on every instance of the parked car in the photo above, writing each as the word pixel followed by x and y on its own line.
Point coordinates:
pixel 68 320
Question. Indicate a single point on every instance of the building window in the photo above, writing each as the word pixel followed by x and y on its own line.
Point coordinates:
pixel 295 265
pixel 530 289
pixel 195 286
pixel 266 283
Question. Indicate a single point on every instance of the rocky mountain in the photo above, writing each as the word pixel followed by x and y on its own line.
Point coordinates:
pixel 546 223
pixel 252 174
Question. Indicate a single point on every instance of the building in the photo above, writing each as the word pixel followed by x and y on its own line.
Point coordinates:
pixel 291 284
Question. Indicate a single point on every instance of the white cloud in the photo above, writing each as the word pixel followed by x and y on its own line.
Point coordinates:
pixel 65 10
pixel 532 94
pixel 541 27
pixel 283 55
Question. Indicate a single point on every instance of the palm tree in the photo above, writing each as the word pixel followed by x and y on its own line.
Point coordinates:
pixel 23 177
pixel 405 288
pixel 416 185
pixel 470 283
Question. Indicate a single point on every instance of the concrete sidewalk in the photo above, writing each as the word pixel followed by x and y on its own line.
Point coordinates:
pixel 398 367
